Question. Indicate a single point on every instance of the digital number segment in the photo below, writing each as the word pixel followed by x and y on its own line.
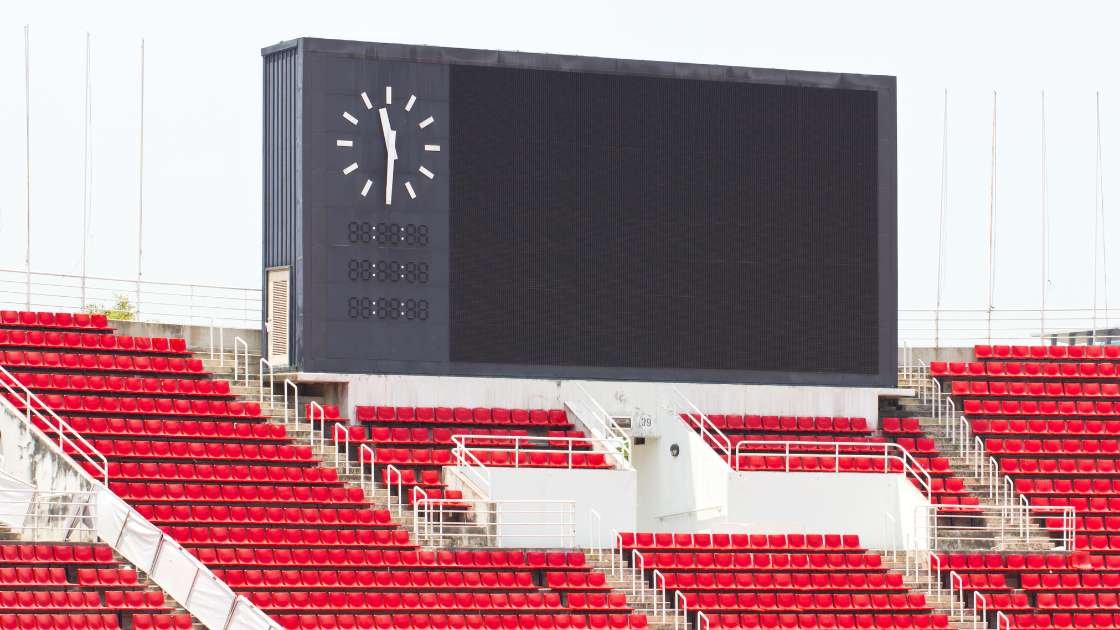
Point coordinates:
pixel 388 234
pixel 386 308
pixel 365 270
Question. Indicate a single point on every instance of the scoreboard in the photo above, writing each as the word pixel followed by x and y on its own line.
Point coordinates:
pixel 466 212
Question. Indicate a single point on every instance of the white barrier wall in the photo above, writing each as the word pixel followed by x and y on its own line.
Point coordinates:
pixel 611 493
pixel 882 509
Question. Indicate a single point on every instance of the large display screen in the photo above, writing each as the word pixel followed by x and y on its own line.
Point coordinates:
pixel 530 215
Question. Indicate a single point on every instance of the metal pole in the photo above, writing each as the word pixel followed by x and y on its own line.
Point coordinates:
pixel 992 219
pixel 140 199
pixel 1096 219
pixel 27 140
pixel 85 176
pixel 941 217
pixel 1045 202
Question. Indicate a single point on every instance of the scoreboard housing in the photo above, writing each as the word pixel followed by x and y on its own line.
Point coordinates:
pixel 574 217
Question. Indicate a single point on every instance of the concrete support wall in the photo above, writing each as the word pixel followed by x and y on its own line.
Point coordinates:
pixel 198 337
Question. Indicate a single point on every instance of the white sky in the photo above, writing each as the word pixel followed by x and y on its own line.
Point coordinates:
pixel 202 179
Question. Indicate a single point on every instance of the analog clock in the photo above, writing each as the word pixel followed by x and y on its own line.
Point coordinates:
pixel 374 151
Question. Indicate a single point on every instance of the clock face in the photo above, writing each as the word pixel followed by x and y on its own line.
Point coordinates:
pixel 387 147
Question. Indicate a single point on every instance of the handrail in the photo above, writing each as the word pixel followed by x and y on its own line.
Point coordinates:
pixel 465 459
pixel 271 382
pixel 245 344
pixel 67 435
pixel 607 424
pixel 707 428
pixel 520 442
pixel 345 443
pixel 394 478
pixel 869 450
pixel 550 523
pixel 311 408
pixel 288 384
pixel 364 448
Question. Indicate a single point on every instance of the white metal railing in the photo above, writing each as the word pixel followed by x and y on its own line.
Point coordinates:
pixel 37 516
pixel 474 450
pixel 291 411
pixel 264 363
pixel 684 409
pixel 244 344
pixel 962 327
pixel 958 431
pixel 628 565
pixel 368 483
pixel 68 439
pixel 995 527
pixel 537 523
pixel 601 424
pixel 165 302
pixel 883 454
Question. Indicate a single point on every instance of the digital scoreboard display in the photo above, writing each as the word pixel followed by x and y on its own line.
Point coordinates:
pixel 480 213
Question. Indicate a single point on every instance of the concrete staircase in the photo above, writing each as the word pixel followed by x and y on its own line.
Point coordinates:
pixel 938 599
pixel 1000 532
pixel 641 598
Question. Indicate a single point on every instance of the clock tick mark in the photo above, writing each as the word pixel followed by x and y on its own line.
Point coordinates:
pixel 411 192
pixel 365 189
pixel 388 94
pixel 350 169
pixel 410 103
pixel 427 121
pixel 427 173
pixel 350 117
pixel 344 143
pixel 365 99
pixel 431 147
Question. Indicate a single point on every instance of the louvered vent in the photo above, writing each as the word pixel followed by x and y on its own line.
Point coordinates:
pixel 278 315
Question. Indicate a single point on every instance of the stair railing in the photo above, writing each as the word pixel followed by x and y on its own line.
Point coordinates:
pixel 603 425
pixel 264 363
pixel 70 441
pixel 684 409
pixel 371 485
pixel 340 445
pixel 292 423
pixel 245 345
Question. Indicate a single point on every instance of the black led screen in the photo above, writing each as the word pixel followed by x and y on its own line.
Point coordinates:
pixel 629 221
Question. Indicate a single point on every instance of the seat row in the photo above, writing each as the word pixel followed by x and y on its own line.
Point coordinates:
pixel 70 361
pixel 998 446
pixel 59 621
pixel 41 382
pixel 123 600
pixel 63 321
pixel 418 559
pixel 1080 504
pixel 1015 369
pixel 805 602
pixel 441 601
pixel 1068 486
pixel 828 622
pixel 1066 466
pixel 145 406
pixel 92 341
pixel 1041 389
pixel 787 424
pixel 384 580
pixel 984 351
pixel 276 536
pixel 749 561
pixel 784 581
pixel 221 492
pixel 441 435
pixel 258 515
pixel 159 427
pixel 1041 427
pixel 1069 581
pixel 107 577
pixel 1077 601
pixel 991 407
pixel 461 415
pixel 222 472
pixel 203 451
pixel 435 621
pixel 961 562
pixel 145 621
pixel 33 576
pixel 443 457
pixel 870 463
pixel 1064 621
pixel 668 541
pixel 18 553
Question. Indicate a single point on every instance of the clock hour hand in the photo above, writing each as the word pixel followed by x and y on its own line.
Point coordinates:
pixel 390 152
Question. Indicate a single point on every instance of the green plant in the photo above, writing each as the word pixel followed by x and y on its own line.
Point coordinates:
pixel 122 309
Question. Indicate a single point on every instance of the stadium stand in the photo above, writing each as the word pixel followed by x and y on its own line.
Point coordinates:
pixel 271 518
pixel 68 585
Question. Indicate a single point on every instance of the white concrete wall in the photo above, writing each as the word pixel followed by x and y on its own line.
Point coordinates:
pixel 611 493
pixel 829 503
